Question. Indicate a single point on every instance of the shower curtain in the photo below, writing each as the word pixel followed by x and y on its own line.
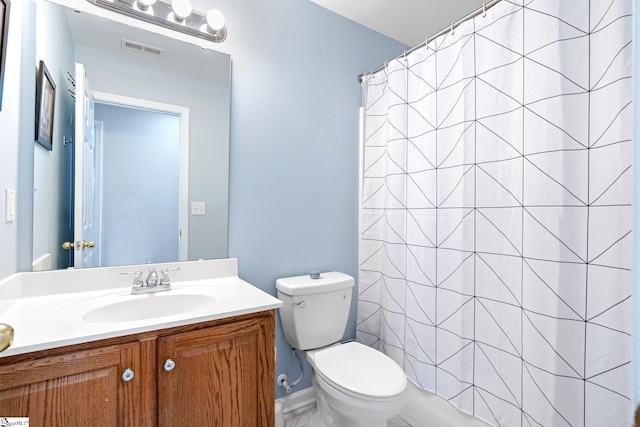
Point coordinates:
pixel 495 246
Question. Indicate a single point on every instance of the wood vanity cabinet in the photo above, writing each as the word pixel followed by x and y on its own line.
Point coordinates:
pixel 79 388
pixel 218 373
pixel 226 361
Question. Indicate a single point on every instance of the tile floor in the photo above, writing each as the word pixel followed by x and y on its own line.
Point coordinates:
pixel 301 417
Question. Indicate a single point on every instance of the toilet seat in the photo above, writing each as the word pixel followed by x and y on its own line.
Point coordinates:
pixel 360 371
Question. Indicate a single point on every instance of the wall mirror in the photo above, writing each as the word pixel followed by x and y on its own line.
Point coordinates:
pixel 160 153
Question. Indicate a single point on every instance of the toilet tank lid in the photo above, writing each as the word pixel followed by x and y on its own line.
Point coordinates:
pixel 304 285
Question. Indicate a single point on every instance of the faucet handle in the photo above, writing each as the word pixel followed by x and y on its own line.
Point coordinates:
pixel 137 280
pixel 164 278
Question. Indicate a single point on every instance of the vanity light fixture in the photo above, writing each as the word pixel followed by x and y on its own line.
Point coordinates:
pixel 173 14
pixel 181 10
pixel 144 4
pixel 215 21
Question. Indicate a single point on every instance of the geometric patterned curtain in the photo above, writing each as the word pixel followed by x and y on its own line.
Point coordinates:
pixel 495 247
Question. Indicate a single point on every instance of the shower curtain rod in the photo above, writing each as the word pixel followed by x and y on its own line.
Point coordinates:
pixel 455 24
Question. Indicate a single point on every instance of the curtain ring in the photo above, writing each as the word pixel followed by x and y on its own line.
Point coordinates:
pixel 484 10
pixel 404 56
pixel 453 31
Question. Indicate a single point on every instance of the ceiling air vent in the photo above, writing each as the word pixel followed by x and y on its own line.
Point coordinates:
pixel 142 48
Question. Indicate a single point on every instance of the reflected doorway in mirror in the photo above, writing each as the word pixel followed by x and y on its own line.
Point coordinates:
pixel 141 181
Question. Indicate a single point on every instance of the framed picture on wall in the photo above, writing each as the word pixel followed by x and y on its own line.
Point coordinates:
pixel 45 102
pixel 4 34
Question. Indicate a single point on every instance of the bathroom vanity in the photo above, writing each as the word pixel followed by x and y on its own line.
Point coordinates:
pixel 211 365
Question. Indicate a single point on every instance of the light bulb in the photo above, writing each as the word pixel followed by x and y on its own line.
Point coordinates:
pixel 181 8
pixel 215 20
pixel 144 4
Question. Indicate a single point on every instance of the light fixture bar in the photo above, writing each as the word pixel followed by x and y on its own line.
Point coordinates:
pixel 161 13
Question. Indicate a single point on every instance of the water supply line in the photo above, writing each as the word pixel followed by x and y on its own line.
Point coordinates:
pixel 282 379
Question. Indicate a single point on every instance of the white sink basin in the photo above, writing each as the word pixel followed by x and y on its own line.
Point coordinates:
pixel 67 307
pixel 148 306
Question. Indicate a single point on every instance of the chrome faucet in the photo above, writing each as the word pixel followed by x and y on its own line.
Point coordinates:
pixel 152 283
pixel 152 278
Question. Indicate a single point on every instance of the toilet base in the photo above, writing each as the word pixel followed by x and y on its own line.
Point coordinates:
pixel 318 420
pixel 328 416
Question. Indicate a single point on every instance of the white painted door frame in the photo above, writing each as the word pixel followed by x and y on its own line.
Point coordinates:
pixel 84 160
pixel 99 129
pixel 183 114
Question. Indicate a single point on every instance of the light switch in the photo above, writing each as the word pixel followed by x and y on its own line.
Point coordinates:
pixel 197 208
pixel 9 205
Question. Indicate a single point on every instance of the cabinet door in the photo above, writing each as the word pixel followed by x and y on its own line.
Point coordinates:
pixel 223 376
pixel 82 388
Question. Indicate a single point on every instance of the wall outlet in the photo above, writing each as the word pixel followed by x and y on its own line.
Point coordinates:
pixel 197 208
pixel 9 205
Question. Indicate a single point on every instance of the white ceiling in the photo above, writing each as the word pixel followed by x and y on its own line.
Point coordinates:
pixel 408 21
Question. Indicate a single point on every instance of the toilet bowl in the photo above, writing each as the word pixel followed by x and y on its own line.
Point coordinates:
pixel 355 385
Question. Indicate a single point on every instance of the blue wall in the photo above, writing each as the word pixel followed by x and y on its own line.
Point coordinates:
pixel 293 204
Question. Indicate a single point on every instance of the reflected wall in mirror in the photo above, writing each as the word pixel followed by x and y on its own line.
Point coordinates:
pixel 121 60
pixel 125 138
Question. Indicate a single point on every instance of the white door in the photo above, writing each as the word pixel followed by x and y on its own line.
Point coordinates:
pixel 84 156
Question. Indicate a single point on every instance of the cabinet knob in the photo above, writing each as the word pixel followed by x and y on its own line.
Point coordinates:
pixel 127 375
pixel 169 365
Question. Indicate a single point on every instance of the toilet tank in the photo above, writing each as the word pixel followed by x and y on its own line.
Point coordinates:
pixel 315 311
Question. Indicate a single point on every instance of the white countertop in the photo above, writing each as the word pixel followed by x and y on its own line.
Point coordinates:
pixel 43 320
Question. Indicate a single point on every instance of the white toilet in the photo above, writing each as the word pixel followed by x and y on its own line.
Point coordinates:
pixel 355 385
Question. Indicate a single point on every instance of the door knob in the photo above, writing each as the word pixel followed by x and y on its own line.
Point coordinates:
pixel 6 336
pixel 78 245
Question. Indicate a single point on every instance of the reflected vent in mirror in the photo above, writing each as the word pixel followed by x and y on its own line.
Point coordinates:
pixel 142 48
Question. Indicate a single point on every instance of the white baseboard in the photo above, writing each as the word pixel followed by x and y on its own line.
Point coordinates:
pixel 42 264
pixel 297 400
